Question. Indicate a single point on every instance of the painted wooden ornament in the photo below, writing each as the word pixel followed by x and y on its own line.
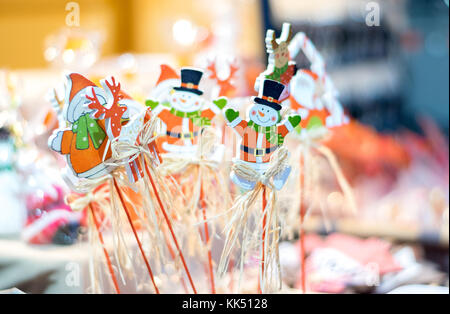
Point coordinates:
pixel 263 133
pixel 280 67
pixel 94 116
pixel 184 113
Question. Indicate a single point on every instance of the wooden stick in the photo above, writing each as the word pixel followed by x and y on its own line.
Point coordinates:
pixel 172 255
pixel 263 244
pixel 231 272
pixel 302 229
pixel 105 252
pixel 149 269
pixel 206 230
pixel 169 224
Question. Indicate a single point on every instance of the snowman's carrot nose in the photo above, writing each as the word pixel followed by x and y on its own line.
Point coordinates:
pixel 261 114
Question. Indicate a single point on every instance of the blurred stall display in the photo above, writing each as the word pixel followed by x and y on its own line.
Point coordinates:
pixel 12 211
pixel 343 264
pixel 50 220
pixel 73 49
pixel 392 60
pixel 392 80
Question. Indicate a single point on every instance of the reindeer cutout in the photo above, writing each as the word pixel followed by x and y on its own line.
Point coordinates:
pixel 226 87
pixel 280 67
pixel 111 112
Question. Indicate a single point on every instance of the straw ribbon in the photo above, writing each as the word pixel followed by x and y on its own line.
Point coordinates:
pixel 176 163
pixel 278 162
pixel 80 203
pixel 128 152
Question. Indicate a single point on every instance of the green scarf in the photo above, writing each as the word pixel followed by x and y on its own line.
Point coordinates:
pixel 277 73
pixel 271 133
pixel 195 116
pixel 84 126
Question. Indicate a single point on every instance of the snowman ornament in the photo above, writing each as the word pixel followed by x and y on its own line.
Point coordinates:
pixel 262 134
pixel 184 114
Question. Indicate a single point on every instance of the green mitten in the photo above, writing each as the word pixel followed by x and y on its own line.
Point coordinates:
pixel 220 103
pixel 294 120
pixel 231 115
pixel 151 103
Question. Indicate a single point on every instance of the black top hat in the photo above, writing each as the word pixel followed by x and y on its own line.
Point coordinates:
pixel 269 93
pixel 190 78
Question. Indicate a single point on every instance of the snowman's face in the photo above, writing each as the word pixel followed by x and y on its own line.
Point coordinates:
pixel 263 115
pixel 185 101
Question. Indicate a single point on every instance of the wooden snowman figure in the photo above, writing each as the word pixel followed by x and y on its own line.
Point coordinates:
pixel 184 114
pixel 262 134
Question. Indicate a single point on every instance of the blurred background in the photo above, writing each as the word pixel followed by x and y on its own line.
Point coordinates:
pixel 404 61
pixel 392 73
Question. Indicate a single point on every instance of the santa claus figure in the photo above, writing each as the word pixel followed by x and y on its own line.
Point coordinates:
pixel 263 133
pixel 93 115
pixel 317 106
pixel 184 114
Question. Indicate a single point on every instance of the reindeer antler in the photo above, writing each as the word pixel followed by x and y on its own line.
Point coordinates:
pixel 115 112
pixel 115 90
pixel 286 33
pixel 271 41
pixel 233 69
pixel 225 84
pixel 95 105
pixel 213 71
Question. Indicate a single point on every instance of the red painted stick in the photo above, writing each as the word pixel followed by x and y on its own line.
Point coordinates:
pixel 172 255
pixel 108 260
pixel 302 229
pixel 169 224
pixel 135 235
pixel 210 262
pixel 263 244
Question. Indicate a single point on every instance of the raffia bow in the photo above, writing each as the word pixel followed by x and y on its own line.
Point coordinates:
pixel 125 152
pixel 176 163
pixel 80 203
pixel 242 215
pixel 278 162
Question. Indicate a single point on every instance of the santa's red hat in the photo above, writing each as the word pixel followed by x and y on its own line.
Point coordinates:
pixel 75 83
pixel 167 73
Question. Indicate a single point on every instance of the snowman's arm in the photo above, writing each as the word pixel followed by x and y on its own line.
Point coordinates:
pixel 208 113
pixel 156 108
pixel 238 125
pixel 283 129
pixel 159 110
pixel 288 125
pixel 214 108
